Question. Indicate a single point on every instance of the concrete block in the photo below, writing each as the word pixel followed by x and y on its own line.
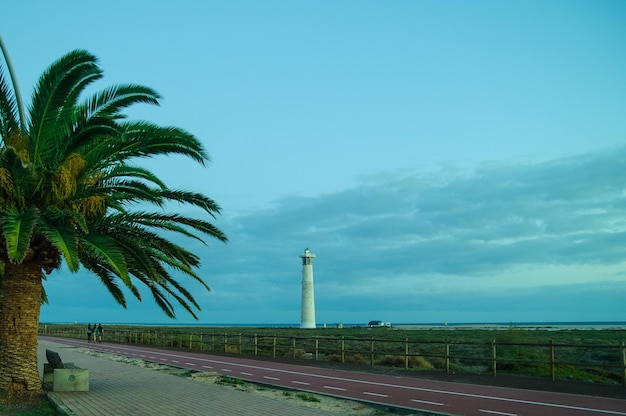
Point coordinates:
pixel 70 379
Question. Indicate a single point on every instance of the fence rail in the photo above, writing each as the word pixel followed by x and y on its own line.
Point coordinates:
pixel 604 363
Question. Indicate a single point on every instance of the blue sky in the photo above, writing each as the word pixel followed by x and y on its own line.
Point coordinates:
pixel 445 160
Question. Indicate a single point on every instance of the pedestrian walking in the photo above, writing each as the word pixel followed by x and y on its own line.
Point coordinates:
pixel 100 332
pixel 89 333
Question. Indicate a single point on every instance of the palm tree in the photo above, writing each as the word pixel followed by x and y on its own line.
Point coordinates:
pixel 69 193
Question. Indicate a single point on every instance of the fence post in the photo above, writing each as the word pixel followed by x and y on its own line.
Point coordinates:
pixel 293 347
pixel 225 342
pixel 190 341
pixel 552 363
pixel 494 354
pixel 343 352
pixel 317 346
pixel 240 344
pixel 447 357
pixel 274 346
pixel 623 348
pixel 256 345
pixel 372 352
pixel 201 342
pixel 406 353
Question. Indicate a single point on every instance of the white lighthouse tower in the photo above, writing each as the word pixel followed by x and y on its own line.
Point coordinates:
pixel 307 317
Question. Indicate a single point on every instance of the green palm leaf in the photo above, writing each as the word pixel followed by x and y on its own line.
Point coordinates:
pixel 104 249
pixel 17 230
pixel 9 120
pixel 65 239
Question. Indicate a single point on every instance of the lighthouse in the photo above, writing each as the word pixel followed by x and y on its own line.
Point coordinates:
pixel 307 316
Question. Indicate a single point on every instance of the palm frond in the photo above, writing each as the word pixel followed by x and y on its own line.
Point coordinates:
pixel 123 170
pixel 17 230
pixel 107 278
pixel 142 139
pixel 65 239
pixel 109 102
pixel 54 100
pixel 104 249
pixel 9 118
pixel 192 198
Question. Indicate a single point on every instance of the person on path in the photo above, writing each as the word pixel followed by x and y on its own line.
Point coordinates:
pixel 100 331
pixel 95 332
pixel 89 333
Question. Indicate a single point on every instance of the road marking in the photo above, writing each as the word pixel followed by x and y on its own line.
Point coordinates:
pixel 151 357
pixel 493 412
pixel 246 374
pixel 227 370
pixel 206 366
pixel 271 378
pixel 375 394
pixel 301 382
pixel 427 402
pixel 175 361
pixel 334 388
pixel 191 364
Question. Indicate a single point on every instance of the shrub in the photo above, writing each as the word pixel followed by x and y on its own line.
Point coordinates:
pixel 398 361
pixel 307 397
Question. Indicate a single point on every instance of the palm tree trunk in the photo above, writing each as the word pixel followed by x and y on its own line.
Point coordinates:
pixel 20 302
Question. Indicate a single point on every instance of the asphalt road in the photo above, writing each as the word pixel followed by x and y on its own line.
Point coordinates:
pixel 403 392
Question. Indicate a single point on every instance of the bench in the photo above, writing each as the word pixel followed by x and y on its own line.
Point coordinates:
pixel 60 376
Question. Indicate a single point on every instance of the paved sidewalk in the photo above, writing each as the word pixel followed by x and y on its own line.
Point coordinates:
pixel 122 389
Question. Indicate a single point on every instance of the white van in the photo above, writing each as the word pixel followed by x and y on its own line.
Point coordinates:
pixel 378 324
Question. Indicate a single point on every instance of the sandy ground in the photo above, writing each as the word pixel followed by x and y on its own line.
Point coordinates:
pixel 317 401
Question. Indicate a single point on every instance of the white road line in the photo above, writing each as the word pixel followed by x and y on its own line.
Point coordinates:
pixel 334 388
pixel 151 357
pixel 427 402
pixel 271 378
pixel 206 366
pixel 227 370
pixel 301 382
pixel 375 394
pixel 175 361
pixel 191 364
pixel 493 412
pixel 246 374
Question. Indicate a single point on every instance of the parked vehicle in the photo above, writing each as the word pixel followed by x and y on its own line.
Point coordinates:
pixel 378 324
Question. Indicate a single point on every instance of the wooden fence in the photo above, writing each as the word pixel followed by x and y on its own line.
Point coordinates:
pixel 603 363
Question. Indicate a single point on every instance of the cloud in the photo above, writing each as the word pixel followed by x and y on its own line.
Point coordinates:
pixel 496 240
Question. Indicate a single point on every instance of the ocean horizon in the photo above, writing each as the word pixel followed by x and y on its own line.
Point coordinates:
pixel 417 325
